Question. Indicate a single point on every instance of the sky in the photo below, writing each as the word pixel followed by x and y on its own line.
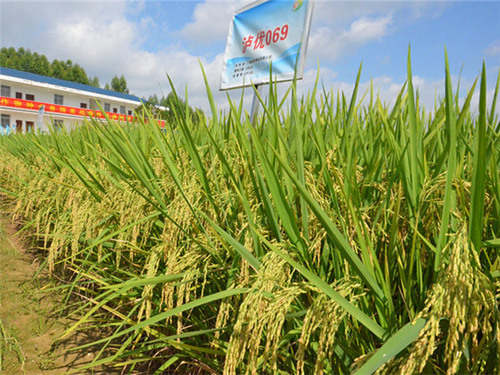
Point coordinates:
pixel 148 40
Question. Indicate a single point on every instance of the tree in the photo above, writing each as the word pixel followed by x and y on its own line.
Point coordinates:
pixel 119 84
pixel 42 65
pixel 175 108
pixel 77 74
pixel 9 58
pixel 26 61
pixel 58 69
pixel 153 99
pixel 94 82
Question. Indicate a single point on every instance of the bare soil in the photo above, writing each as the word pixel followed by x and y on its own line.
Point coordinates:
pixel 30 319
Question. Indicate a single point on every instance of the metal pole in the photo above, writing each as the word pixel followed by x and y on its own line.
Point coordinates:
pixel 255 105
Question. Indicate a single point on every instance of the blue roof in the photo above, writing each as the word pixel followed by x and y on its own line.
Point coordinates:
pixel 61 82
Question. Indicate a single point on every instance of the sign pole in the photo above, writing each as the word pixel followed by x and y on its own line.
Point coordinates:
pixel 255 105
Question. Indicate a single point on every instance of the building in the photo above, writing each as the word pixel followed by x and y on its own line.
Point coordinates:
pixel 30 101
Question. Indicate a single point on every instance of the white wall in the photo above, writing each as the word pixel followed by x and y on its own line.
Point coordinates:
pixel 45 94
pixel 70 99
pixel 68 122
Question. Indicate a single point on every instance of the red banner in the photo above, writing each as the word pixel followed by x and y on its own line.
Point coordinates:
pixel 55 108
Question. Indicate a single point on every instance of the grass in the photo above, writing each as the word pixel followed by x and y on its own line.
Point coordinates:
pixel 332 236
pixel 9 347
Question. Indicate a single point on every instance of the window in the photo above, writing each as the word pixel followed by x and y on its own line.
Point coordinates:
pixel 130 113
pixel 58 124
pixel 5 120
pixel 30 125
pixel 30 97
pixel 19 95
pixel 58 99
pixel 115 110
pixel 5 124
pixel 19 126
pixel 83 105
pixel 122 109
pixel 6 91
pixel 107 107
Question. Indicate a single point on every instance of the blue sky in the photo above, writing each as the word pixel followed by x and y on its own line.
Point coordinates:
pixel 146 40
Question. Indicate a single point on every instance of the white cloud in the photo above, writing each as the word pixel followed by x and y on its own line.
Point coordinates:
pixel 113 49
pixel 340 28
pixel 493 49
pixel 340 12
pixel 210 21
pixel 89 40
pixel 105 42
pixel 329 44
pixel 108 38
pixel 366 29
pixel 48 24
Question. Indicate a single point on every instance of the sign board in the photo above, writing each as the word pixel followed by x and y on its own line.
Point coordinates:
pixel 39 119
pixel 263 33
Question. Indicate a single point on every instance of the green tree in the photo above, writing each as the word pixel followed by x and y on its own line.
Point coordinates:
pixel 119 84
pixel 43 65
pixel 58 69
pixel 26 60
pixel 150 107
pixel 77 74
pixel 153 99
pixel 9 58
pixel 94 82
pixel 175 107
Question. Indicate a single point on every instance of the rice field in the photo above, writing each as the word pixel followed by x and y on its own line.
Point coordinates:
pixel 339 234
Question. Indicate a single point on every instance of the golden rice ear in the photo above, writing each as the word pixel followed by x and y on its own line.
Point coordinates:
pixel 261 314
pixel 463 297
pixel 321 323
pixel 335 235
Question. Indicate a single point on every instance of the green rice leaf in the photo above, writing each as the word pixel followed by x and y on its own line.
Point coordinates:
pixel 334 234
pixel 393 346
pixel 479 171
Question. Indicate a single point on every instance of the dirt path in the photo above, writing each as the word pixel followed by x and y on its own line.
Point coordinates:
pixel 30 325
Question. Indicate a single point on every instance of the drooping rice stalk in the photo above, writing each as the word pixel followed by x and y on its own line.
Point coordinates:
pixel 334 236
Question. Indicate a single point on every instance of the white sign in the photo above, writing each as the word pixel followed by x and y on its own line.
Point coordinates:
pixel 263 33
pixel 39 119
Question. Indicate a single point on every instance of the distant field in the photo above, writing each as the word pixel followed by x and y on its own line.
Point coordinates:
pixel 334 236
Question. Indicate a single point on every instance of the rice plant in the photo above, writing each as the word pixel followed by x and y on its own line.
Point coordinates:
pixel 337 235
